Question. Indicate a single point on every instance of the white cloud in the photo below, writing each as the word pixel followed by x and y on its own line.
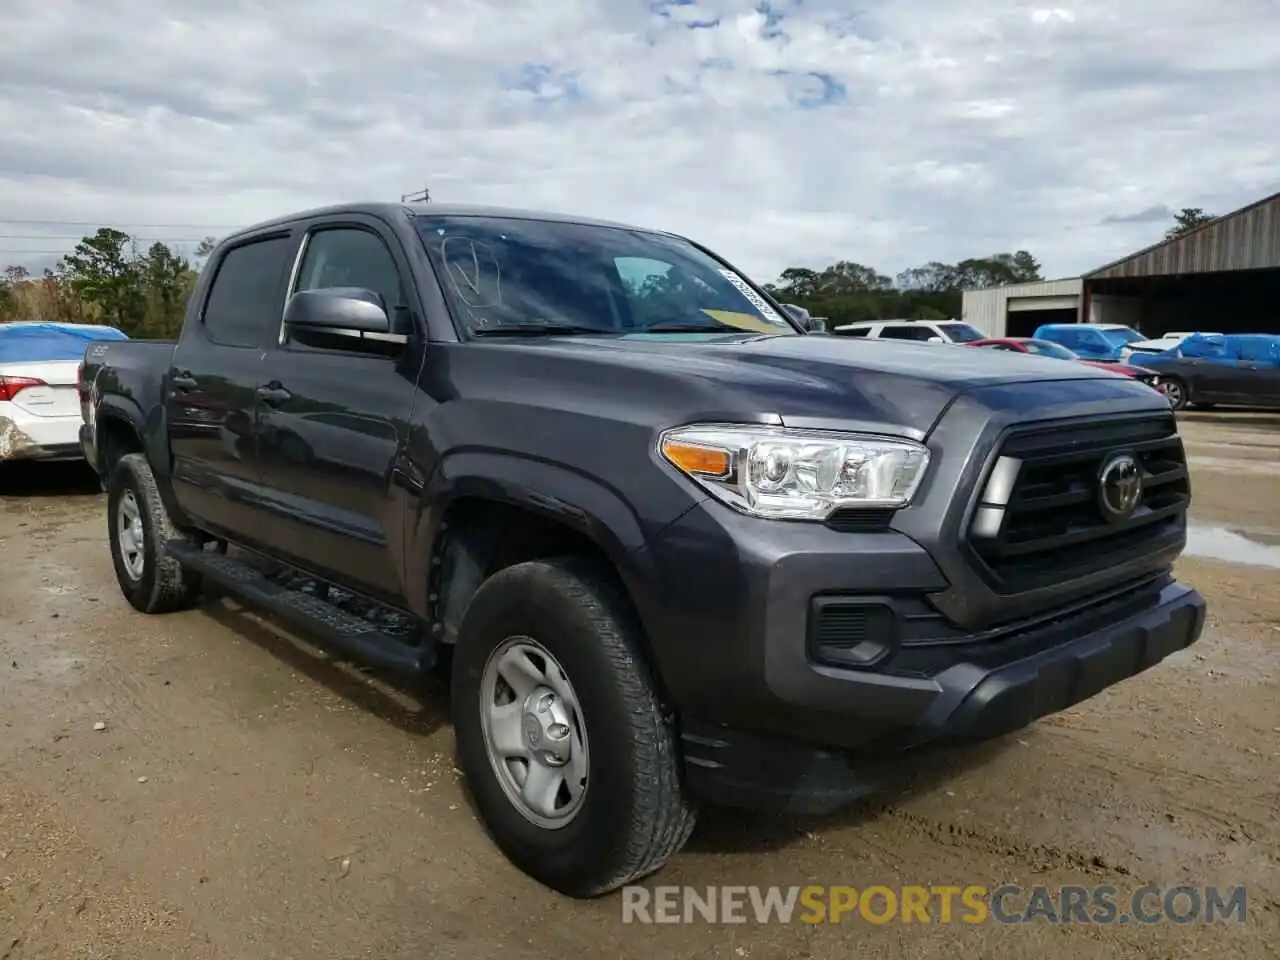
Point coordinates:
pixel 889 133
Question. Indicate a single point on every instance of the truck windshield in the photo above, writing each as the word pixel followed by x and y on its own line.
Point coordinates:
pixel 507 274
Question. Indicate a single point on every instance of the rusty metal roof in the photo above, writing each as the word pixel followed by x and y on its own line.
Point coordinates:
pixel 1247 239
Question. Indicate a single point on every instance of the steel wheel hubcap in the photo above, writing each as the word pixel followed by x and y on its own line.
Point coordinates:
pixel 533 732
pixel 130 535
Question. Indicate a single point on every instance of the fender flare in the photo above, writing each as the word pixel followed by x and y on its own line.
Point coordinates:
pixel 153 437
pixel 548 489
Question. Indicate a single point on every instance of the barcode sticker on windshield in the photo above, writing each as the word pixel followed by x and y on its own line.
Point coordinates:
pixel 757 301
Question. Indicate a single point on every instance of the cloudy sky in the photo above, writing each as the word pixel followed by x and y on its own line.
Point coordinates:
pixel 780 132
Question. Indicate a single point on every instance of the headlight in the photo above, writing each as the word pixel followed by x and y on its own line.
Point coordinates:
pixel 786 474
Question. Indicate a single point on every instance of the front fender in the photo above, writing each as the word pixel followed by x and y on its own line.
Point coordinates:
pixel 551 490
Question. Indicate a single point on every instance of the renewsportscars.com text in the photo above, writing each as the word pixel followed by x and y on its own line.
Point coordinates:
pixel 971 904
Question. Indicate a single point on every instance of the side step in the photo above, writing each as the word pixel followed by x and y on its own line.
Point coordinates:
pixel 355 636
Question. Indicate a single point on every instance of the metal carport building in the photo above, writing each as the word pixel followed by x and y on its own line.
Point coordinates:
pixel 1222 277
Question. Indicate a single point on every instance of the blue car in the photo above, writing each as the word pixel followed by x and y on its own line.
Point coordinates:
pixel 1236 369
pixel 1091 341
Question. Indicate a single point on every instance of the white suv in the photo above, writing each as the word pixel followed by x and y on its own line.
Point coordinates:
pixel 923 331
pixel 1166 342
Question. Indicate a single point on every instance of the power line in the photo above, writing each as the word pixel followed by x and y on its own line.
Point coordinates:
pixel 121 226
pixel 78 237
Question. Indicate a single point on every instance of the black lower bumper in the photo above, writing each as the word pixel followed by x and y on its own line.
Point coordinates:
pixel 966 703
pixel 48 451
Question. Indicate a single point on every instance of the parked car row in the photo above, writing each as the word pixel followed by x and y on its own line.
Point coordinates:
pixel 1047 348
pixel 1191 369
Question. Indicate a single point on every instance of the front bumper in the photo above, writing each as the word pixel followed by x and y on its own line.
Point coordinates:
pixel 966 703
pixel 770 715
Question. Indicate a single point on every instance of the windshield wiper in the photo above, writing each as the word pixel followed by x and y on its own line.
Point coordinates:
pixel 678 327
pixel 538 329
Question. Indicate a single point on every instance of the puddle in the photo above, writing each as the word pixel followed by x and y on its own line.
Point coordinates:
pixel 1233 546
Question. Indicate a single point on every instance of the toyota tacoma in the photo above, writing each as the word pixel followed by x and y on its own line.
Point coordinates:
pixel 680 552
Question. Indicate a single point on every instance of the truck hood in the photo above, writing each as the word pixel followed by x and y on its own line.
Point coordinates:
pixel 807 380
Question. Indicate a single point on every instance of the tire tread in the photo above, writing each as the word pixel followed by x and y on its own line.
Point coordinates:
pixel 172 588
pixel 662 817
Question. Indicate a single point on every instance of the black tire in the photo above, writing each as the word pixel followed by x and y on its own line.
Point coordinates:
pixel 1175 389
pixel 163 585
pixel 634 813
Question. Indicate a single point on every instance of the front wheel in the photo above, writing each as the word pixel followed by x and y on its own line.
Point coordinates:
pixel 562 738
pixel 138 527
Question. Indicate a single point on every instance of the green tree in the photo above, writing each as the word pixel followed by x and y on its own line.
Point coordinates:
pixel 167 281
pixel 12 283
pixel 1186 220
pixel 1026 267
pixel 106 272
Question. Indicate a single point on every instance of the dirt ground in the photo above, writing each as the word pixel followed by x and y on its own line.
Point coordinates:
pixel 252 798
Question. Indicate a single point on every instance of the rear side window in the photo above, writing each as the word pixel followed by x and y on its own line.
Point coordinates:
pixel 960 332
pixel 243 309
pixel 1260 350
pixel 905 332
pixel 859 332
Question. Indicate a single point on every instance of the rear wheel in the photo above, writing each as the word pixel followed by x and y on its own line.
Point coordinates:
pixel 138 527
pixel 564 743
pixel 1175 392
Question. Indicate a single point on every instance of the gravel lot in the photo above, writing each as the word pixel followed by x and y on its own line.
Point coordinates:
pixel 251 798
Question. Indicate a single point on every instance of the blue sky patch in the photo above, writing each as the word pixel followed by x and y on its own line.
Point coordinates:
pixel 545 83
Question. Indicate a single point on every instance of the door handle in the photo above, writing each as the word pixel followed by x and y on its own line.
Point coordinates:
pixel 273 394
pixel 184 381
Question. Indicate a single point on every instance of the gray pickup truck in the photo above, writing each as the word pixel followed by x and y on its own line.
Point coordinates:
pixel 681 552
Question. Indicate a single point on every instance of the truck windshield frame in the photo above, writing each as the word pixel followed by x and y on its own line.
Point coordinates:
pixel 510 272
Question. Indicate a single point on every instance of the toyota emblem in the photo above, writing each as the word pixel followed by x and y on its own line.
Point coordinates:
pixel 1119 487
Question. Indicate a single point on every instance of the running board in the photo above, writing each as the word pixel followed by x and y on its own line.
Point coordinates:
pixel 354 636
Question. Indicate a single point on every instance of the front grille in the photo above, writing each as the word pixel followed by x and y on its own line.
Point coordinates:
pixel 1043 523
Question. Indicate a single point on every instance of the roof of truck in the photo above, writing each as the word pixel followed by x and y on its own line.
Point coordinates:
pixel 433 209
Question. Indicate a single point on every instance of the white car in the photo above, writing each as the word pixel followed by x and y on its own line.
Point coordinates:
pixel 39 394
pixel 923 331
pixel 1159 345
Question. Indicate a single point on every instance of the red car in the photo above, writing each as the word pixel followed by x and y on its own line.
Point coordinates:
pixel 1044 348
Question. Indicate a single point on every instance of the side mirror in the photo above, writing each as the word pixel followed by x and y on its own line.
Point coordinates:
pixel 936 340
pixel 350 310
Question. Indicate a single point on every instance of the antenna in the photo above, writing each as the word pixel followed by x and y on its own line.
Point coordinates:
pixel 422 196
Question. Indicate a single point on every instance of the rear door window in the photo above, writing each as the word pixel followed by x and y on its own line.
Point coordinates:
pixel 246 298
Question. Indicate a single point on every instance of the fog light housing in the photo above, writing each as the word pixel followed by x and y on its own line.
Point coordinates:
pixel 851 632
